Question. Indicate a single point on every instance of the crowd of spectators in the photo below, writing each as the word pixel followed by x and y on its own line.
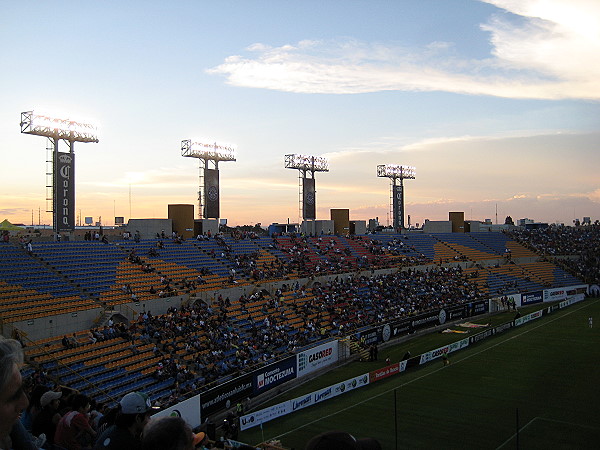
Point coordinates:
pixel 200 344
pixel 355 302
pixel 580 247
pixel 323 255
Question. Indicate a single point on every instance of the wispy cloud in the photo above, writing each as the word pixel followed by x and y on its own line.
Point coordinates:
pixel 11 211
pixel 548 52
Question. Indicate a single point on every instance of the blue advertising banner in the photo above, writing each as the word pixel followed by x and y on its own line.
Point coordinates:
pixel 273 375
pixel 532 298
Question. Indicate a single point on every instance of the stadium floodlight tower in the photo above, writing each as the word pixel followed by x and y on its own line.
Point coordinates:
pixel 209 154
pixel 307 165
pixel 397 174
pixel 63 163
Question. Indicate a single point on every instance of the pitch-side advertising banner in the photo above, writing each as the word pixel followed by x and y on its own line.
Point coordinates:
pixel 289 406
pixel 387 371
pixel 552 295
pixel 317 357
pixel 438 352
pixel 225 395
pixel 188 410
pixel 264 415
pixel 351 384
pixel 528 318
pixel 273 375
pixel 531 298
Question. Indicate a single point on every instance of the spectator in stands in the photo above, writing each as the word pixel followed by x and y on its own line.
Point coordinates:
pixel 48 418
pixel 97 335
pixel 34 407
pixel 171 433
pixel 66 342
pixel 130 421
pixel 12 397
pixel 74 431
pixel 74 340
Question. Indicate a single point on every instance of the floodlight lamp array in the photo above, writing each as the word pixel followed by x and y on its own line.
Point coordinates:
pixel 305 162
pixel 206 149
pixel 396 171
pixel 53 127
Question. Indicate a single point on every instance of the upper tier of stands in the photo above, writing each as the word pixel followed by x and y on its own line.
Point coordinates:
pixel 87 274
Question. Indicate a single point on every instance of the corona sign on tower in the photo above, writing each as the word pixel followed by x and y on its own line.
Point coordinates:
pixel 63 163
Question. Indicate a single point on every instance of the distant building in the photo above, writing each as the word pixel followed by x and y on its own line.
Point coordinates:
pixel 437 226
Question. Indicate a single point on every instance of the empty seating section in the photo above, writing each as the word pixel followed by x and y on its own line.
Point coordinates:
pixel 523 277
pixel 180 262
pixel 564 278
pixel 497 242
pixel 422 243
pixel 91 266
pixel 30 290
pixel 550 275
pixel 518 251
pixel 104 370
pixel 129 274
pixel 213 256
pixel 467 247
pixel 444 253
pixel 506 279
pixel 17 267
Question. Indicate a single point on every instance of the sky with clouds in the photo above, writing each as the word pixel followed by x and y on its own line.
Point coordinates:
pixel 495 102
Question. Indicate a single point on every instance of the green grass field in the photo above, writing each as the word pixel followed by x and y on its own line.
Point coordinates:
pixel 547 370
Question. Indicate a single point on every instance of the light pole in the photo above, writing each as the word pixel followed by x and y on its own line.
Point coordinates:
pixel 63 163
pixel 397 173
pixel 207 151
pixel 307 196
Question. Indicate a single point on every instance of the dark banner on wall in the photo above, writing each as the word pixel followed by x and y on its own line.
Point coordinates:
pixel 225 395
pixel 531 298
pixel 308 199
pixel 385 332
pixel 64 191
pixel 398 206
pixel 211 193
pixel 273 375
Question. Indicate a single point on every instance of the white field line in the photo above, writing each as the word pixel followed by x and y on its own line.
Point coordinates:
pixel 569 423
pixel 515 434
pixel 544 322
pixel 545 420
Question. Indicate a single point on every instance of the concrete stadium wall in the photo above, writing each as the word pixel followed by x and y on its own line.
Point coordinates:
pixel 156 306
pixel 58 325
pixel 149 227
pixel 437 226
